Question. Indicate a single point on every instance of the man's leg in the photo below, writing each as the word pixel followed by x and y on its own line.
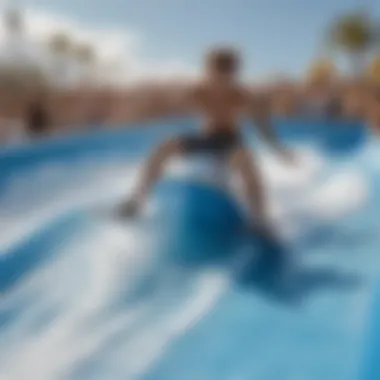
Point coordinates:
pixel 151 172
pixel 241 161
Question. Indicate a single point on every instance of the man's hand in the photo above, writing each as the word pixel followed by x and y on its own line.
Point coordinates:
pixel 288 156
pixel 128 209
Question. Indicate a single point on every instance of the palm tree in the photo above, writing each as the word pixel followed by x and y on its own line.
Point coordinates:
pixel 60 46
pixel 354 34
pixel 322 71
pixel 374 70
pixel 60 43
pixel 16 44
pixel 18 74
pixel 85 56
pixel 13 21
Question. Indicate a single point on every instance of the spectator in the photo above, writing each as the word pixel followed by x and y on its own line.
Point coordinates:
pixel 36 119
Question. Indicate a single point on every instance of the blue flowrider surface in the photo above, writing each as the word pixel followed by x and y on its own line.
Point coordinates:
pixel 185 291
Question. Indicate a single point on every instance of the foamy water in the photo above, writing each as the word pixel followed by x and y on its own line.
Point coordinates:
pixel 104 305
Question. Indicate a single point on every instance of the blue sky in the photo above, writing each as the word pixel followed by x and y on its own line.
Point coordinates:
pixel 275 35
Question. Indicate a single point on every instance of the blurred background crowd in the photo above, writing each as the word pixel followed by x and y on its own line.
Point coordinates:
pixel 64 85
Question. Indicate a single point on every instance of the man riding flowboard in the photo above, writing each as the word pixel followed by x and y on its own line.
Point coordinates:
pixel 221 100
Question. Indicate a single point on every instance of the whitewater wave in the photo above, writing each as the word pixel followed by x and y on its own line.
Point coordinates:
pixel 106 304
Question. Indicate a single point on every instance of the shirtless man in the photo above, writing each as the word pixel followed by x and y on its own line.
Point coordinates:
pixel 221 100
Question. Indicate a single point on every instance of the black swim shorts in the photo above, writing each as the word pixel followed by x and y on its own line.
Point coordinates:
pixel 216 143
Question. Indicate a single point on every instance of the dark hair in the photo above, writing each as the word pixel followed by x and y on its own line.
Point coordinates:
pixel 224 60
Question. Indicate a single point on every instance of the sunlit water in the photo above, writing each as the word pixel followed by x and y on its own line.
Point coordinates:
pixel 85 296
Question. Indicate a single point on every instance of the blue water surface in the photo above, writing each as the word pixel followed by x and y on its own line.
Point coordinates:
pixel 300 308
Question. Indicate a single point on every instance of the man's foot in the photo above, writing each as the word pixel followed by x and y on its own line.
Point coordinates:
pixel 128 209
pixel 262 228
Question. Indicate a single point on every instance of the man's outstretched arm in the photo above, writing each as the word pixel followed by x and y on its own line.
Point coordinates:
pixel 260 113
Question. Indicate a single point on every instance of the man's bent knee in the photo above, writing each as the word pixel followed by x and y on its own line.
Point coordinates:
pixel 241 157
pixel 169 147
